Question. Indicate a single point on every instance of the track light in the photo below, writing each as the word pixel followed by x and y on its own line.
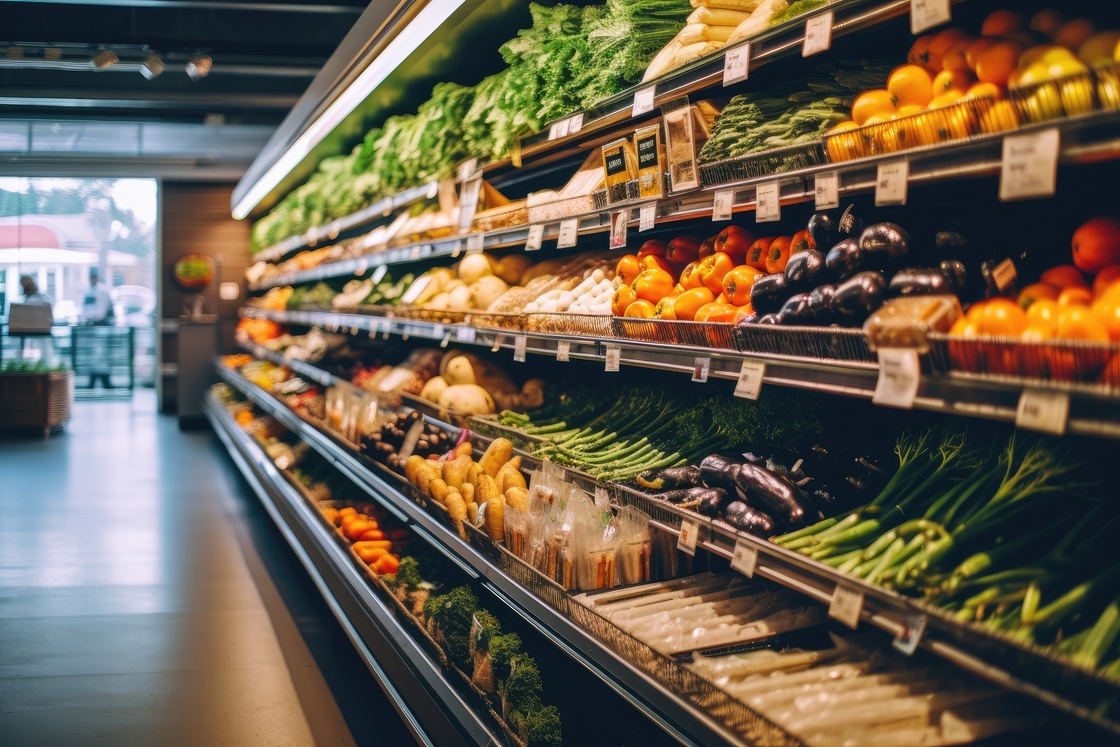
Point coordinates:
pixel 199 67
pixel 152 66
pixel 104 59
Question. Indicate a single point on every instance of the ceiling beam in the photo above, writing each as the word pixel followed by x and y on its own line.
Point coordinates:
pixel 238 5
pixel 89 99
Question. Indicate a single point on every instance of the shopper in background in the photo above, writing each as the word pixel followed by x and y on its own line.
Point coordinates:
pixel 31 295
pixel 97 311
pixel 31 292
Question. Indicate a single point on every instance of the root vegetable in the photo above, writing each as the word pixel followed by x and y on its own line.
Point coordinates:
pixel 435 387
pixel 517 498
pixel 495 521
pixel 495 456
pixel 467 399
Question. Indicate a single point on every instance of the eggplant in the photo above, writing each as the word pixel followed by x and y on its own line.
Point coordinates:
pixel 769 292
pixel 686 495
pixel 850 225
pixel 883 243
pixel 857 297
pixel 821 228
pixel 713 501
pixel 844 259
pixel 819 301
pixel 750 520
pixel 719 471
pixel 770 319
pixel 670 478
pixel 777 495
pixel 797 310
pixel 952 243
pixel 805 270
pixel 956 272
pixel 751 318
pixel 921 281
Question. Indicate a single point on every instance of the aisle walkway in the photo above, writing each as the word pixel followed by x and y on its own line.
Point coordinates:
pixel 136 609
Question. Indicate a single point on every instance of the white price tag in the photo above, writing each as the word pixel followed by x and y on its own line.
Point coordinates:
pixel 846 606
pixel 736 64
pixel 722 204
pixel 643 101
pixel 466 169
pixel 768 203
pixel 519 343
pixel 690 533
pixel 925 14
pixel 701 369
pixel 468 202
pixel 575 123
pixel 1030 165
pixel 1005 275
pixel 750 379
pixel 558 130
pixel 569 231
pixel 475 243
pixel 818 35
pixel 899 376
pixel 744 559
pixel 907 640
pixel 536 236
pixel 619 223
pixel 1047 412
pixel 563 351
pixel 891 183
pixel 614 358
pixel 827 186
pixel 647 216
pixel 466 334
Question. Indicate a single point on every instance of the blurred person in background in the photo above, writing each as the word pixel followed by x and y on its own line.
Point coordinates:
pixel 31 292
pixel 97 311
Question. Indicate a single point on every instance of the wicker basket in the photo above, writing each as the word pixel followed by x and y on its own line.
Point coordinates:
pixel 36 400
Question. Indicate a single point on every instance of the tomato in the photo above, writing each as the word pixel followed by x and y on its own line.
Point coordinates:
pixel 652 248
pixel 735 241
pixel 356 529
pixel 1002 317
pixel 683 249
pixel 369 554
pixel 386 565
pixel 1064 276
pixel 778 254
pixel 716 312
pixel 756 255
pixel 622 298
pixel 688 303
pixel 641 309
pixel 1037 292
pixel 1096 244
pixel 653 262
pixel 1081 323
pixel 737 284
pixel 713 269
pixel 1108 311
pixel 802 241
pixel 372 534
pixel 1075 296
pixel 653 285
pixel 1043 312
pixel 1104 279
pixel 664 308
pixel 628 268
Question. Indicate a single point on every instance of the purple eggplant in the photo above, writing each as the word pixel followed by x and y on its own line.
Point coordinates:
pixel 844 259
pixel 883 244
pixel 857 297
pixel 687 495
pixel 921 281
pixel 770 319
pixel 769 292
pixel 798 310
pixel 956 272
pixel 805 270
pixel 821 227
pixel 819 301
pixel 670 478
pixel 752 521
pixel 951 243
pixel 713 501
pixel 777 495
pixel 719 471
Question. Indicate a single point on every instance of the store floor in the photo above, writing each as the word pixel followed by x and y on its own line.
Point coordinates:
pixel 145 598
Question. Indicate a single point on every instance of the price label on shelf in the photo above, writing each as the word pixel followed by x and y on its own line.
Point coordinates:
pixel 701 369
pixel 818 35
pixel 467 169
pixel 925 14
pixel 643 101
pixel 563 351
pixel 569 231
pixel 891 183
pixel 846 606
pixel 1030 165
pixel 536 236
pixel 1043 411
pixel 722 204
pixel 468 202
pixel 768 203
pixel 899 376
pixel 619 221
pixel 750 379
pixel 907 640
pixel 475 242
pixel 690 533
pixel 744 559
pixel 827 188
pixel 736 64
pixel 379 273
pixel 1005 275
pixel 558 130
pixel 647 216
pixel 519 343
pixel 614 358
pixel 466 334
pixel 575 123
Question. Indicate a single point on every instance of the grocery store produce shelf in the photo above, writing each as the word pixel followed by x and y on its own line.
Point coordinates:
pixel 306 370
pixel 1090 413
pixel 1086 138
pixel 431 708
pixel 1018 668
pixel 683 721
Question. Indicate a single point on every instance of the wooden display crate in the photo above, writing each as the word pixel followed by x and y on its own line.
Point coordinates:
pixel 35 400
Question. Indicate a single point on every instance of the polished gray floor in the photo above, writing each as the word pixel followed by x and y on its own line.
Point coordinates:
pixel 144 600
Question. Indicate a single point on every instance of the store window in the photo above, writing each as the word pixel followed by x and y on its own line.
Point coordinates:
pixel 61 232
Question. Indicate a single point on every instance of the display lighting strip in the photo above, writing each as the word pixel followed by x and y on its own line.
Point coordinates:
pixel 426 22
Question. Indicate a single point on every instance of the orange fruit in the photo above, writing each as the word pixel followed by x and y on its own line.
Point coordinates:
pixel 1043 313
pixel 1081 323
pixel 1107 311
pixel 1036 292
pixel 688 303
pixel 1096 244
pixel 1105 279
pixel 952 80
pixel 975 311
pixel 946 99
pixel 846 147
pixel 1075 296
pixel 1047 21
pixel 919 51
pixel 985 91
pixel 1003 22
pixel 1003 317
pixel 652 285
pixel 1111 375
pixel 941 42
pixel 878 101
pixel 965 356
pixel 1074 33
pixel 1064 276
pixel 1038 332
pixel 955 59
pixel 622 298
pixel 996 63
pixel 910 85
pixel 972 54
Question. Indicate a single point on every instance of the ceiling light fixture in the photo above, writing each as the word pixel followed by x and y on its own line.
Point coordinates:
pixel 199 66
pixel 152 66
pixel 104 59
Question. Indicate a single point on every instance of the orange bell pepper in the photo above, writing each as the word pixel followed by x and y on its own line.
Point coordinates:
pixel 737 284
pixel 653 285
pixel 641 309
pixel 623 297
pixel 778 255
pixel 713 269
pixel 653 262
pixel 690 276
pixel 628 268
pixel 664 308
pixel 716 312
pixel 688 303
pixel 756 255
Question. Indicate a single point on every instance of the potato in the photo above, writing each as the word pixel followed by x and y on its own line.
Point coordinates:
pixel 495 519
pixel 496 455
pixel 438 489
pixel 510 477
pixel 455 470
pixel 487 489
pixel 467 399
pixel 517 498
